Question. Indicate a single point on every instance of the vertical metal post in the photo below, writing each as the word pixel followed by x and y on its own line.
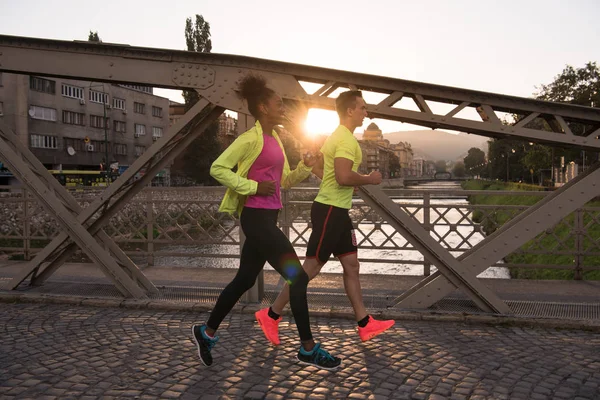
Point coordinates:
pixel 26 230
pixel 427 226
pixel 286 217
pixel 578 245
pixel 106 162
pixel 552 177
pixel 149 227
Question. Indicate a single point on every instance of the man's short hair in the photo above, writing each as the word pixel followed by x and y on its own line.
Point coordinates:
pixel 346 100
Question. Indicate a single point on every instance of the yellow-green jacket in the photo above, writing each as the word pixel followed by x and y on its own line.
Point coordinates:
pixel 243 152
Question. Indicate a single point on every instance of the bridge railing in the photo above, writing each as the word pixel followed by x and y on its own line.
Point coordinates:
pixel 182 226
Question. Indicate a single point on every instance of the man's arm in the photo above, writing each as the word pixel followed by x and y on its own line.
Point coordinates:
pixel 346 177
pixel 319 166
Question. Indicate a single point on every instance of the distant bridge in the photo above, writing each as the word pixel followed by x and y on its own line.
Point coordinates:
pixel 438 176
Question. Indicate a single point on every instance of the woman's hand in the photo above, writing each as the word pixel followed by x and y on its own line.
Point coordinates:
pixel 265 188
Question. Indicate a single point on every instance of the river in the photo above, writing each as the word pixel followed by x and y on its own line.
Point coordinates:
pixel 396 266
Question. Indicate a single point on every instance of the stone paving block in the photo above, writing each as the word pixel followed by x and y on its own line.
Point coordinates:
pixel 126 353
pixel 169 394
pixel 436 396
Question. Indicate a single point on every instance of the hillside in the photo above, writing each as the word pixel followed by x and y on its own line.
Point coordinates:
pixel 436 144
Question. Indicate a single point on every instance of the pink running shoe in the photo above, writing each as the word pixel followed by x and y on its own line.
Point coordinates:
pixel 269 326
pixel 374 328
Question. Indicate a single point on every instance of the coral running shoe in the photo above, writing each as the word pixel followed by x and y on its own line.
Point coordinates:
pixel 269 326
pixel 374 328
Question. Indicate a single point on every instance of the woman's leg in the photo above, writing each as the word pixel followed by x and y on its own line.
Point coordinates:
pixel 251 263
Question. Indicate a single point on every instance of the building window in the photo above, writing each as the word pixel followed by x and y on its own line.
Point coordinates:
pixel 97 121
pixel 76 144
pixel 42 85
pixel 139 150
pixel 98 97
pixel 157 132
pixel 1 108
pixel 120 126
pixel 140 130
pixel 156 112
pixel 71 91
pixel 139 108
pixel 44 113
pixel 44 142
pixel 101 146
pixel 145 89
pixel 73 118
pixel 120 149
pixel 119 104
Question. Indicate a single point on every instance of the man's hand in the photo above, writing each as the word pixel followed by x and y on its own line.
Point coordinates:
pixel 265 188
pixel 310 159
pixel 375 178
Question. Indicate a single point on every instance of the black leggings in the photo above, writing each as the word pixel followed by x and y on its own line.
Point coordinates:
pixel 265 242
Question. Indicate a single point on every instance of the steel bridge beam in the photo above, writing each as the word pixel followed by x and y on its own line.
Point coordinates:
pixel 215 77
pixel 70 203
pixel 422 241
pixel 122 190
pixel 37 181
pixel 515 233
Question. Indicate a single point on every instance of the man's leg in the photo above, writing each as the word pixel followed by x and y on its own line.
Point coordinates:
pixel 368 327
pixel 352 286
pixel 347 252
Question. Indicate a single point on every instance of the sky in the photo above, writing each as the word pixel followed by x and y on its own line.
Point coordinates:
pixel 507 47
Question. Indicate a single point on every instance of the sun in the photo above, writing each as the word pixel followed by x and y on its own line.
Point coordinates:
pixel 320 122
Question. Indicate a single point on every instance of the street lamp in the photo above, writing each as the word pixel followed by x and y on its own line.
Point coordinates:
pixel 507 163
pixel 104 123
pixel 104 100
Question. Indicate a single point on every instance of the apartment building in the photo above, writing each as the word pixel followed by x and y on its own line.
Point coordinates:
pixel 77 125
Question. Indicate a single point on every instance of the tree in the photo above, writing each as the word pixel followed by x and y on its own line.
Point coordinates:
pixel 579 86
pixel 440 166
pixel 459 170
pixel 197 38
pixel 474 162
pixel 504 157
pixel 537 158
pixel 394 166
pixel 197 158
pixel 93 37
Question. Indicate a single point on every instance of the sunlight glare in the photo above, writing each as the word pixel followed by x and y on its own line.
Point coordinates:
pixel 321 122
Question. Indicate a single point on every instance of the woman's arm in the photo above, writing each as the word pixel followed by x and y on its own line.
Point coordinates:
pixel 221 168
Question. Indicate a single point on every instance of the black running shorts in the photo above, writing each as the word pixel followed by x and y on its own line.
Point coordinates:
pixel 332 233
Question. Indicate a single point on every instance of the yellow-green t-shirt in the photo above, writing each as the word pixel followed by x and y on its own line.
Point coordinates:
pixel 341 144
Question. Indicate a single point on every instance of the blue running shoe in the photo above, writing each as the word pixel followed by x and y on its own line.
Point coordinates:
pixel 319 358
pixel 204 344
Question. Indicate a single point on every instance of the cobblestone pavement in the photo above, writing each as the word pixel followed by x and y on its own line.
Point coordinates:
pixel 60 351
